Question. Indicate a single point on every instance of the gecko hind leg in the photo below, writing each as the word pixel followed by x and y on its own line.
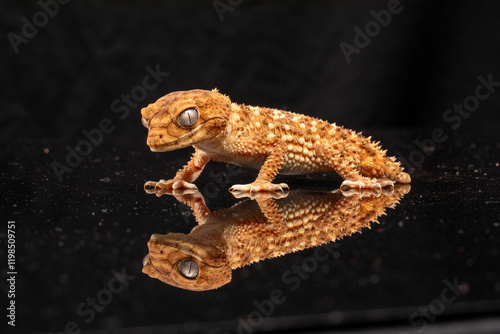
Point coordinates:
pixel 349 171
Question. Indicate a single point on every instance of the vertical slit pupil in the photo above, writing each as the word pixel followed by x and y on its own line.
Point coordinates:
pixel 189 269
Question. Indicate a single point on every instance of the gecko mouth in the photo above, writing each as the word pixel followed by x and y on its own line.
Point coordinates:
pixel 159 142
pixel 161 145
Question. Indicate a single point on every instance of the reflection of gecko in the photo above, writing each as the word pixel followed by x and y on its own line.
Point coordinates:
pixel 253 231
pixel 262 138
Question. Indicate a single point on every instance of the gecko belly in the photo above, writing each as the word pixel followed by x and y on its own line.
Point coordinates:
pixel 302 165
pixel 293 164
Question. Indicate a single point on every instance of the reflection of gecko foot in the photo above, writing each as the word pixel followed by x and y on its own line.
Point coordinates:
pixel 188 196
pixel 373 184
pixel 350 188
pixel 170 187
pixel 259 186
pixel 364 192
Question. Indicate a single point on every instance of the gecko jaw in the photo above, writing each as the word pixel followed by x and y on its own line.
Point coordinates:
pixel 157 144
pixel 199 134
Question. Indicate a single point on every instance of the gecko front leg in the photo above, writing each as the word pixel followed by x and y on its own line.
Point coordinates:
pixel 184 176
pixel 267 174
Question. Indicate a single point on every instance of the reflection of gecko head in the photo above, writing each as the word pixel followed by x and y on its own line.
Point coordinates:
pixel 186 262
pixel 185 118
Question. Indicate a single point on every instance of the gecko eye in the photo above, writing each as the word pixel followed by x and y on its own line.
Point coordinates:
pixel 145 260
pixel 188 117
pixel 144 122
pixel 189 269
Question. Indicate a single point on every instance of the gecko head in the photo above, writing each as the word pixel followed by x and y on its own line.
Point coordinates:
pixel 185 118
pixel 186 262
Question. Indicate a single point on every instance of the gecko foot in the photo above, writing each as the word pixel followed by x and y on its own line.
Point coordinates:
pixel 167 187
pixel 374 186
pixel 368 184
pixel 347 192
pixel 259 186
pixel 259 195
pixel 385 183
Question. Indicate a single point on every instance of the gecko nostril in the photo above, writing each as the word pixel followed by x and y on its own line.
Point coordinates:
pixel 160 136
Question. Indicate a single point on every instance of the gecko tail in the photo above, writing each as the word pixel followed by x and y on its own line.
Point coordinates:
pixel 394 171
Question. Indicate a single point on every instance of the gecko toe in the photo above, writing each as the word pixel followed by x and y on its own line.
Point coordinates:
pixel 149 187
pixel 239 188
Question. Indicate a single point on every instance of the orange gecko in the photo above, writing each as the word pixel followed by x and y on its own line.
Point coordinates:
pixel 271 140
pixel 253 231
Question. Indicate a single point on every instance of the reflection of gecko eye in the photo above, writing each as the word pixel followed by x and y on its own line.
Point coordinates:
pixel 188 269
pixel 188 117
pixel 144 122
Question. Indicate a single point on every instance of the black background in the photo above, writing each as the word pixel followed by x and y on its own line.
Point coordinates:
pixel 273 54
pixel 268 54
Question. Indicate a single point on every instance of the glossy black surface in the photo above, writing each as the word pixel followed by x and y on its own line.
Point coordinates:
pixel 71 235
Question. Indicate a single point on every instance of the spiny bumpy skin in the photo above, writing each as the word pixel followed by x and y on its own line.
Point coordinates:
pixel 271 140
pixel 253 231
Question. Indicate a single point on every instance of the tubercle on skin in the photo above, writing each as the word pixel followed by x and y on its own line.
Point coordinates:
pixel 253 231
pixel 271 140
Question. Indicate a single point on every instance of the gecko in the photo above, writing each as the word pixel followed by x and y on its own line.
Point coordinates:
pixel 270 140
pixel 256 230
